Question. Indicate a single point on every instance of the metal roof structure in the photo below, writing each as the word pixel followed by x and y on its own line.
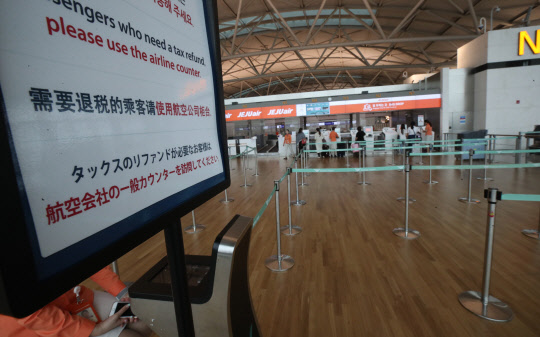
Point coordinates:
pixel 287 46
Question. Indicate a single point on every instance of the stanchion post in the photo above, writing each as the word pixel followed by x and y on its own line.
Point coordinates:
pixel 533 233
pixel 278 262
pixel 347 153
pixel 290 229
pixel 303 165
pixel 298 202
pixel 485 167
pixel 405 232
pixel 226 200
pixel 256 164
pixel 430 181
pixel 245 175
pixel 363 182
pixel 407 197
pixel 481 303
pixel 518 147
pixel 195 228
pixel 468 199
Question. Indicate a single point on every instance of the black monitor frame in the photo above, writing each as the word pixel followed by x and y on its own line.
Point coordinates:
pixel 22 289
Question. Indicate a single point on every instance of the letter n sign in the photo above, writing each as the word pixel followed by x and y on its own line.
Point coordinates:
pixel 524 37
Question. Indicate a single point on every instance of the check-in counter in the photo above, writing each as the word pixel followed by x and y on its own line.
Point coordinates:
pixel 218 289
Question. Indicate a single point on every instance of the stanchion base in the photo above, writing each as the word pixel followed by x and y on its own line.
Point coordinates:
pixel 430 182
pixel 304 184
pixel 482 178
pixel 273 263
pixel 246 185
pixel 226 201
pixel 194 229
pixel 363 183
pixel 299 203
pixel 293 230
pixel 410 234
pixel 402 199
pixel 467 201
pixel 532 233
pixel 495 310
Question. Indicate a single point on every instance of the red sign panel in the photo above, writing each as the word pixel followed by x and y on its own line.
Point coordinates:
pixel 260 113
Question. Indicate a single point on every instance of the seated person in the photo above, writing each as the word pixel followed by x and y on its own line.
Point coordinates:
pixel 56 319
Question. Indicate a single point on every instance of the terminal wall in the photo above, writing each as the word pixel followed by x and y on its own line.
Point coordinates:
pixel 506 84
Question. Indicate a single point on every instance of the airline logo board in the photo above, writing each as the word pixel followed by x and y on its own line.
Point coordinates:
pixel 260 113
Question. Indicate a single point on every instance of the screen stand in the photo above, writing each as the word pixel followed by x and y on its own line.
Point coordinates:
pixel 177 267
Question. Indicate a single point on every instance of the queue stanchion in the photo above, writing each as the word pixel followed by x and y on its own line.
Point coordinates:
pixel 229 152
pixel 245 174
pixel 405 232
pixel 290 229
pixel 485 166
pixel 468 199
pixel 195 228
pixel 303 165
pixel 306 162
pixel 481 303
pixel 407 197
pixel 430 181
pixel 256 164
pixel 533 233
pixel 393 153
pixel 363 182
pixel 347 154
pixel 278 262
pixel 226 200
pixel 298 202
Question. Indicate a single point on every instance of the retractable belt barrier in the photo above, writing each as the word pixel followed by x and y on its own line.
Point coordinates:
pixel 530 233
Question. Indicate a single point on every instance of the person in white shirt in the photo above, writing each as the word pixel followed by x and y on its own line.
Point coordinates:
pixel 318 141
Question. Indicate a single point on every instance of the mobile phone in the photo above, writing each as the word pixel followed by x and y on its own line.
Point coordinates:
pixel 119 305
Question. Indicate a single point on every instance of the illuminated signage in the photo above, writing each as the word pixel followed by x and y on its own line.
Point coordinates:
pixel 524 37
pixel 335 108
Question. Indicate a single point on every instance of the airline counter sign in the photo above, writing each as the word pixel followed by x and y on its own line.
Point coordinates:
pixel 386 104
pixel 260 113
pixel 525 38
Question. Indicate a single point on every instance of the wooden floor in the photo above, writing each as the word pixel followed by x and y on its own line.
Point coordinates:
pixel 353 276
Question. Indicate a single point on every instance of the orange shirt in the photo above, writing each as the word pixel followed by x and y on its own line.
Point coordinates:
pixel 288 139
pixel 333 136
pixel 429 130
pixel 54 319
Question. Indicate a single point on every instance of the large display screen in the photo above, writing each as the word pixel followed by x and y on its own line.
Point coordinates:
pixel 113 118
pixel 337 107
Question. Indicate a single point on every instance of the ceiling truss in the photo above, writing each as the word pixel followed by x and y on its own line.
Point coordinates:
pixel 277 46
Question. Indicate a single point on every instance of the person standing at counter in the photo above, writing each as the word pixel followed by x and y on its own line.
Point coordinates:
pixel 360 134
pixel 402 136
pixel 333 139
pixel 300 140
pixel 429 134
pixel 287 144
pixel 318 141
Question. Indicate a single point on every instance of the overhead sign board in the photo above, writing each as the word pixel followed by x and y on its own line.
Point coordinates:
pixel 339 107
pixel 112 120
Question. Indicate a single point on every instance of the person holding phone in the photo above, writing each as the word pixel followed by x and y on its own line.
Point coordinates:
pixel 61 318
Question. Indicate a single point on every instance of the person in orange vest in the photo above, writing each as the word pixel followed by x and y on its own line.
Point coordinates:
pixel 333 139
pixel 61 319
pixel 287 143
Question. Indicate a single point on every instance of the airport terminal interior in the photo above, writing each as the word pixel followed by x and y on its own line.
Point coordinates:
pixel 468 68
pixel 352 276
